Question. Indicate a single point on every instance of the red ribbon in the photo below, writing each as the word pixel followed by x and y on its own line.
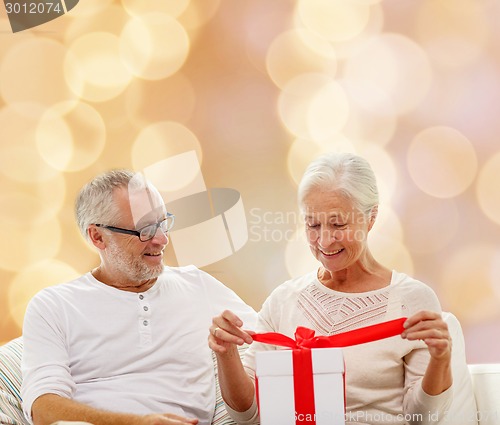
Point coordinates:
pixel 302 361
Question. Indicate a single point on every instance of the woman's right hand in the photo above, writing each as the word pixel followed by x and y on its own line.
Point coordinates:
pixel 226 333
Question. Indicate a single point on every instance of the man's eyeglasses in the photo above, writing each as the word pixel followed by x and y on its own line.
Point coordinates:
pixel 145 233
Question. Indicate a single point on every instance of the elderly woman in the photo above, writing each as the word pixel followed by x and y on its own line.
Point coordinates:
pixel 408 377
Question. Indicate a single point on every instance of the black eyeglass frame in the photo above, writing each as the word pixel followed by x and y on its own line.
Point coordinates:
pixel 138 232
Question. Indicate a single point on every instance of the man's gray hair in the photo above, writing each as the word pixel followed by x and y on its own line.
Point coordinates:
pixel 348 173
pixel 95 202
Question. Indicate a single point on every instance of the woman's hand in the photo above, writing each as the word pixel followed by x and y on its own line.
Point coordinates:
pixel 226 332
pixel 433 330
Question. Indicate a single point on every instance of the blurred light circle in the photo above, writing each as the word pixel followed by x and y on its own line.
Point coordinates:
pixel 302 104
pixel 198 13
pixel 387 224
pixel 149 101
pixel 372 117
pixel 113 18
pixel 89 9
pixel 334 20
pixel 154 46
pixel 495 273
pixel 396 65
pixel 8 42
pixel 19 158
pixel 31 70
pixel 442 162
pixel 337 143
pixel 300 154
pixel 466 285
pixel 487 190
pixel 93 67
pixel 36 203
pixel 328 111
pixel 345 48
pixel 390 252
pixel 33 279
pixel 24 242
pixel 384 168
pixel 162 140
pixel 140 7
pixel 453 32
pixel 70 139
pixel 297 52
pixel 299 259
pixel 431 224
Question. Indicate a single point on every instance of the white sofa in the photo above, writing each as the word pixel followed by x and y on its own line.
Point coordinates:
pixel 477 387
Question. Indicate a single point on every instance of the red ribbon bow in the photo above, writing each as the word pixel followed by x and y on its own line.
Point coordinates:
pixel 302 361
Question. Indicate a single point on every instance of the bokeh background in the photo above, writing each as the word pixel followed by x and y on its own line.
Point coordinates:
pixel 258 88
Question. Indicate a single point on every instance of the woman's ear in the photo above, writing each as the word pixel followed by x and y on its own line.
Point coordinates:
pixel 95 236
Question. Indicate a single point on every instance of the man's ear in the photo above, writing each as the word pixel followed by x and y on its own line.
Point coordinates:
pixel 373 217
pixel 95 236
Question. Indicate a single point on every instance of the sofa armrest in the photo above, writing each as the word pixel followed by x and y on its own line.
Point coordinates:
pixel 486 383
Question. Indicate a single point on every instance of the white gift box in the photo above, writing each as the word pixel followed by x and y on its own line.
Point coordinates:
pixel 274 371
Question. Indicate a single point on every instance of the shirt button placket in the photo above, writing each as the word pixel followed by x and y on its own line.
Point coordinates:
pixel 144 320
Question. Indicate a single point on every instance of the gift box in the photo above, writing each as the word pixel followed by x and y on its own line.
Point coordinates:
pixel 282 403
pixel 305 385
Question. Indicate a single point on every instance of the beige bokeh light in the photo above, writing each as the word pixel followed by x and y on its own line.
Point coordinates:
pixel 430 224
pixel 391 253
pixel 25 68
pixel 495 273
pixel 384 167
pixel 299 51
pixel 154 46
pixel 466 281
pixel 89 9
pixel 453 32
pixel 113 18
pixel 335 20
pixel 33 279
pixel 300 154
pixel 162 140
pixel 390 62
pixel 442 162
pixel 19 158
pixel 487 190
pixel 313 106
pixel 93 67
pixel 198 13
pixel 24 242
pixel 140 7
pixel 147 101
pixel 371 116
pixel 328 111
pixel 388 224
pixel 299 259
pixel 70 138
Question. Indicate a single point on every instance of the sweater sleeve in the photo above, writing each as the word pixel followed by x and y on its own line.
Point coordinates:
pixel 418 406
pixel 45 364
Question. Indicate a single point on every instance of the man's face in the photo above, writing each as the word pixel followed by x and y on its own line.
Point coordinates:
pixel 126 256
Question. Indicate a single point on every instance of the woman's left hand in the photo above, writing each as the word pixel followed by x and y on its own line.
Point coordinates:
pixel 430 327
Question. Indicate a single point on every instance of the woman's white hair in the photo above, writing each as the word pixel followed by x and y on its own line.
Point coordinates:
pixel 345 172
pixel 95 203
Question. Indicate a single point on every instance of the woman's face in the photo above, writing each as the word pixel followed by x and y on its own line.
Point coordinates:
pixel 335 229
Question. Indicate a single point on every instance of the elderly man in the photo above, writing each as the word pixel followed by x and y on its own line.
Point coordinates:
pixel 126 342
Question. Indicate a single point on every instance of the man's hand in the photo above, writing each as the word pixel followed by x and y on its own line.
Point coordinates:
pixel 226 333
